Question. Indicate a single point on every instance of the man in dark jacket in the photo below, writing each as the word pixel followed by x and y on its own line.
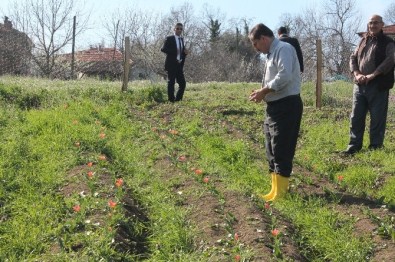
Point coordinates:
pixel 175 51
pixel 372 64
pixel 283 36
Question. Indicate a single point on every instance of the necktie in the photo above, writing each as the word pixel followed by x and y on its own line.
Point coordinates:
pixel 180 43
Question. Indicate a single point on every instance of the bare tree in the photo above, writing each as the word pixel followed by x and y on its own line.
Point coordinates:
pixel 342 22
pixel 49 23
pixel 307 27
pixel 287 20
pixel 389 15
pixel 336 23
pixel 147 31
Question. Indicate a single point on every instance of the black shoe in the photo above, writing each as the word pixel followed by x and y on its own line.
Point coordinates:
pixel 375 147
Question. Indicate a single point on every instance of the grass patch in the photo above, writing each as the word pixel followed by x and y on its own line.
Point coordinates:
pixel 67 144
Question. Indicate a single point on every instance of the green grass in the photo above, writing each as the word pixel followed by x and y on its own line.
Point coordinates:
pixel 218 130
pixel 325 235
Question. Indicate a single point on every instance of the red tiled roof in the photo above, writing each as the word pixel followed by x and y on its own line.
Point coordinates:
pixel 96 54
pixel 97 59
pixel 389 29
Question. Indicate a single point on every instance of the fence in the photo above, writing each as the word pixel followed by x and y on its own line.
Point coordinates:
pixel 20 56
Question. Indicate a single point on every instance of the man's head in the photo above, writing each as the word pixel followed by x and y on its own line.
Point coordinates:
pixel 261 38
pixel 375 24
pixel 178 28
pixel 282 31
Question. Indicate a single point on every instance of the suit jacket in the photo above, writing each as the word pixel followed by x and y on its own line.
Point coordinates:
pixel 295 43
pixel 170 49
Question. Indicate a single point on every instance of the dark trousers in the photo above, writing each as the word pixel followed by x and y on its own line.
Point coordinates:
pixel 281 127
pixel 368 98
pixel 173 75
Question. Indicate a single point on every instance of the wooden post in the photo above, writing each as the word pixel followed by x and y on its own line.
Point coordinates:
pixel 73 49
pixel 126 65
pixel 318 86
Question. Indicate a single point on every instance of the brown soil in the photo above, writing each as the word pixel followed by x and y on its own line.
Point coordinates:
pixel 125 240
pixel 218 216
pixel 224 219
pixel 352 206
pixel 349 205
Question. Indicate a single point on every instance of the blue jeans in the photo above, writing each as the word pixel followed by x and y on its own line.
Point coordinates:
pixel 368 98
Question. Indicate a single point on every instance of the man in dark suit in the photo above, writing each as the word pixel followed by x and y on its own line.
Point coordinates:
pixel 283 36
pixel 175 51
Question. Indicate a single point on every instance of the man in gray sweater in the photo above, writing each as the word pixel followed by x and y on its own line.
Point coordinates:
pixel 281 91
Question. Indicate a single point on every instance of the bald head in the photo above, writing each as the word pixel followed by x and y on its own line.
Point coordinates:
pixel 375 25
pixel 376 18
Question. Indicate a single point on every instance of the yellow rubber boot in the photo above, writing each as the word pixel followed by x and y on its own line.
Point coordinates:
pixel 272 191
pixel 281 187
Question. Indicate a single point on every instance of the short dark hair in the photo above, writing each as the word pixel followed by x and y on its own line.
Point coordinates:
pixel 178 24
pixel 282 30
pixel 259 30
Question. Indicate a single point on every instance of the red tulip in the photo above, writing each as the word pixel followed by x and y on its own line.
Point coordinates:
pixel 112 204
pixel 205 180
pixel 89 164
pixel 236 236
pixel 90 174
pixel 198 171
pixel 77 208
pixel 237 258
pixel 275 232
pixel 119 182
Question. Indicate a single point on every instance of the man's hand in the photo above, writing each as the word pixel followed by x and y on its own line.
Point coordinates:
pixel 370 77
pixel 361 79
pixel 259 94
pixel 364 79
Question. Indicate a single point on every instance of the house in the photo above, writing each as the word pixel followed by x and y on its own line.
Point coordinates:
pixel 15 50
pixel 99 62
pixel 389 30
pixel 107 63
